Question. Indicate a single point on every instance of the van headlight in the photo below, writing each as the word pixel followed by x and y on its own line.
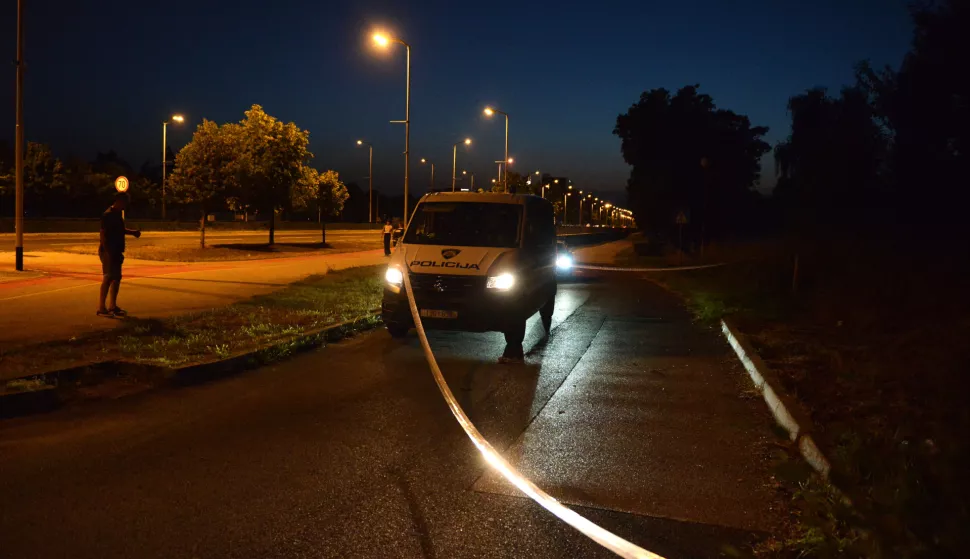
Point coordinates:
pixel 564 262
pixel 394 276
pixel 502 282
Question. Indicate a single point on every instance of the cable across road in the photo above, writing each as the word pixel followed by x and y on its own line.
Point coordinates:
pixel 595 532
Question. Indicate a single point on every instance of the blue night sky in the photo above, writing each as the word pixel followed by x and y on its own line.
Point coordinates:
pixel 105 77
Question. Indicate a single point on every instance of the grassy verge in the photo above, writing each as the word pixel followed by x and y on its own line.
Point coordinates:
pixel 191 252
pixel 876 351
pixel 300 308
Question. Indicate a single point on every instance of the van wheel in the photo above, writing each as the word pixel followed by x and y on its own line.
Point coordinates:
pixel 545 313
pixel 397 330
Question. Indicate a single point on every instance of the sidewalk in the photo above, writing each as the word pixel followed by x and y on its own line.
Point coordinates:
pixel 57 298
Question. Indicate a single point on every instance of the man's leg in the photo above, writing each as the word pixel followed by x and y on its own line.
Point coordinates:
pixel 105 284
pixel 113 293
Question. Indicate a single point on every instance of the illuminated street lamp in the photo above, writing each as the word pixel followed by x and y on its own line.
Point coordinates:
pixel 382 40
pixel 489 111
pixel 454 160
pixel 370 180
pixel 175 118
pixel 565 202
pixel 426 162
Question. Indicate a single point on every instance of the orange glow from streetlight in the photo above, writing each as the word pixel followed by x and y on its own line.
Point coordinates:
pixel 423 160
pixel 178 118
pixel 381 39
pixel 468 141
pixel 360 142
pixel 489 111
pixel 511 161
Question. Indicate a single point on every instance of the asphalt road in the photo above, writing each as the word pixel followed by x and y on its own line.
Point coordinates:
pixel 52 241
pixel 627 410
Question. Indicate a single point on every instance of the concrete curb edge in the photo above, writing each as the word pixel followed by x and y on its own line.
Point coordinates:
pixel 785 414
pixel 63 384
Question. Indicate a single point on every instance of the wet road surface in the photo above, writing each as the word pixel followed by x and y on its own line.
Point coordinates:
pixel 628 410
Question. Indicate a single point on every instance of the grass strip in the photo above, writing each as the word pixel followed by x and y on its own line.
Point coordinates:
pixel 264 320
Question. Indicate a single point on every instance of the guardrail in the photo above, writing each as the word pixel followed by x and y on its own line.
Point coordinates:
pixel 93 225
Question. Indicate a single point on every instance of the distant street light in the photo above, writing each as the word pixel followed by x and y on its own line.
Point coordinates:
pixel 426 162
pixel 370 180
pixel 175 118
pixel 489 111
pixel 382 40
pixel 565 202
pixel 454 160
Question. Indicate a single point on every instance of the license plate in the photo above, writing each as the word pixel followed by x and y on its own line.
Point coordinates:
pixel 428 313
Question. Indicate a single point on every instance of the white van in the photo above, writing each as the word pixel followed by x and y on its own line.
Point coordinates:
pixel 477 262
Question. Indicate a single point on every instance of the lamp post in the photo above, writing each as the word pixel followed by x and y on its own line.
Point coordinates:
pixel 383 40
pixel 19 143
pixel 489 111
pixel 454 160
pixel 581 198
pixel 370 179
pixel 565 203
pixel 426 162
pixel 542 188
pixel 175 118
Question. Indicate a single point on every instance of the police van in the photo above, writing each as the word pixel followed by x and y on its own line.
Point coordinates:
pixel 477 262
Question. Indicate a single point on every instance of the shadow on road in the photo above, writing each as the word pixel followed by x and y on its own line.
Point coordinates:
pixel 275 247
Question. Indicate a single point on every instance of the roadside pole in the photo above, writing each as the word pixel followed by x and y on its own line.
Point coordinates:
pixel 19 141
pixel 681 220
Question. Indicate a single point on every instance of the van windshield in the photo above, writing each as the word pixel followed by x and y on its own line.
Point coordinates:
pixel 472 224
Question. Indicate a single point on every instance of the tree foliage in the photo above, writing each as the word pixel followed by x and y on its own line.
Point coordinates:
pixel 324 190
pixel 829 166
pixel 688 155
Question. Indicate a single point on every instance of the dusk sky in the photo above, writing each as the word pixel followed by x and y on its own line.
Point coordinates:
pixel 103 75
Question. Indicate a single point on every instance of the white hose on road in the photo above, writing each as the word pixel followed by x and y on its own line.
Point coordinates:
pixel 600 535
pixel 668 269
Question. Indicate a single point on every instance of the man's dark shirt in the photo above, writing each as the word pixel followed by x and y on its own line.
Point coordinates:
pixel 113 226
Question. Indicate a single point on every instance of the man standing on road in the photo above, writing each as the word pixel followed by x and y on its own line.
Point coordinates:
pixel 388 230
pixel 112 254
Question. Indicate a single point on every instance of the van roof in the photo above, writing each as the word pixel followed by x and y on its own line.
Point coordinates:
pixel 490 197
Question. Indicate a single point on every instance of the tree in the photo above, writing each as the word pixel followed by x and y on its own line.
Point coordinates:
pixel 924 107
pixel 210 168
pixel 326 189
pixel 273 161
pixel 44 186
pixel 687 155
pixel 829 166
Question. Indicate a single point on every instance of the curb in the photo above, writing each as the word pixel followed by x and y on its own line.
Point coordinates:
pixel 62 386
pixel 783 408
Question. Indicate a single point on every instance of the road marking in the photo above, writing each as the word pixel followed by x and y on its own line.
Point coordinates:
pixel 598 534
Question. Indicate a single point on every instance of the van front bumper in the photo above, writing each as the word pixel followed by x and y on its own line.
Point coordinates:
pixel 476 311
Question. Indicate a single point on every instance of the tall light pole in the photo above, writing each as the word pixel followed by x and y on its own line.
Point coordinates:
pixel 175 118
pixel 383 40
pixel 542 189
pixel 565 202
pixel 489 111
pixel 19 142
pixel 370 180
pixel 454 160
pixel 426 162
pixel 581 198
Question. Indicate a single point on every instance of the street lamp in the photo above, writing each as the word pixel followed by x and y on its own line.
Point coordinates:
pixel 175 118
pixel 19 144
pixel 382 40
pixel 489 111
pixel 454 160
pixel 370 180
pixel 426 162
pixel 581 198
pixel 565 202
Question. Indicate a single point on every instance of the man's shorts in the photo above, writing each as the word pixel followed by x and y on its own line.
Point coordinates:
pixel 111 264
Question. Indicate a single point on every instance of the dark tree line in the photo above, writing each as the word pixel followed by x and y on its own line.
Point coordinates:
pixel 889 151
pixel 74 187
